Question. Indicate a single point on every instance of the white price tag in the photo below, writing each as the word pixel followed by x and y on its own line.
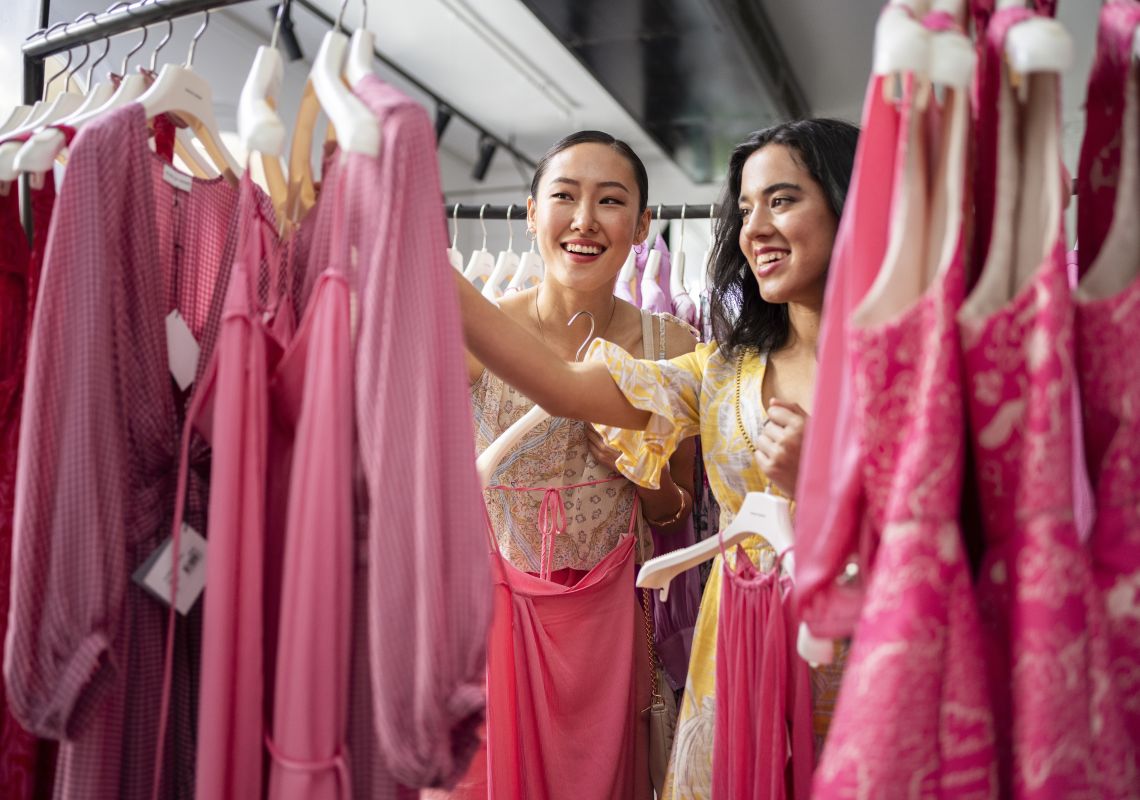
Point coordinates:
pixel 156 574
pixel 182 350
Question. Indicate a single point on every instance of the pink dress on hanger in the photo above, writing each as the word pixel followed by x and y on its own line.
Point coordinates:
pixel 763 746
pixel 231 410
pixel 829 530
pixel 422 589
pixel 98 459
pixel 307 749
pixel 913 717
pixel 26 762
pixel 1108 350
pixel 1058 720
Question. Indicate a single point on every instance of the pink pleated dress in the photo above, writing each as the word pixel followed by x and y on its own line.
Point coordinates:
pixel 1108 342
pixel 763 745
pixel 1059 730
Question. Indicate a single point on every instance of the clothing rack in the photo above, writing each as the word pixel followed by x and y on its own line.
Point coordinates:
pixel 143 13
pixel 518 211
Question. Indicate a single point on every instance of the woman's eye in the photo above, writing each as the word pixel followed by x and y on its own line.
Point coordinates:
pixel 744 212
pixel 780 201
pixel 561 195
pixel 613 201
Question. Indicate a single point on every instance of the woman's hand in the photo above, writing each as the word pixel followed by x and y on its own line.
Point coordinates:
pixel 605 455
pixel 778 448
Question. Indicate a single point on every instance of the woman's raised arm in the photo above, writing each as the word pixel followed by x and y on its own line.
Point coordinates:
pixel 582 391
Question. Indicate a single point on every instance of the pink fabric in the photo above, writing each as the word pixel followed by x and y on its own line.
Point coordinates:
pixel 26 763
pixel 1060 733
pixel 1108 349
pixel 98 456
pixel 653 298
pixel 562 723
pixel 423 598
pixel 313 665
pixel 233 397
pixel 829 529
pixel 685 309
pixel 763 747
pixel 913 717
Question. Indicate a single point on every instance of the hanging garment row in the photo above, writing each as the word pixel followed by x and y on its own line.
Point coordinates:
pixel 197 347
pixel 651 278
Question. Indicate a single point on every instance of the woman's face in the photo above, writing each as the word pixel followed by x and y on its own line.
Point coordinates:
pixel 585 216
pixel 787 227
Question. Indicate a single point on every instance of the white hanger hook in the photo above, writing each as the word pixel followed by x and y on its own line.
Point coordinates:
pixel 681 244
pixel 197 35
pixel 364 15
pixel 340 16
pixel 79 66
pixel 98 61
pixel 589 336
pixel 510 229
pixel 483 225
pixel 133 50
pixel 455 227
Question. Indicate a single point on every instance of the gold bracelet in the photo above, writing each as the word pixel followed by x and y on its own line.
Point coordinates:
pixel 676 517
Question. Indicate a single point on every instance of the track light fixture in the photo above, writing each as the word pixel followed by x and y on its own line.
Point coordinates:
pixel 487 148
pixel 443 116
pixel 288 36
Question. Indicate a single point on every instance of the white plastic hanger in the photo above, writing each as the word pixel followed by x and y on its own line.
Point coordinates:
pixel 653 262
pixel 761 513
pixel 358 64
pixel 64 104
pixel 529 272
pixel 505 266
pixel 901 40
pixel 40 152
pixel 699 279
pixel 677 273
pixel 482 263
pixel 260 127
pixel 1039 44
pixel 952 54
pixel 453 255
pixel 182 92
pixel 357 130
pixel 627 275
pixel 489 460
pixel 15 119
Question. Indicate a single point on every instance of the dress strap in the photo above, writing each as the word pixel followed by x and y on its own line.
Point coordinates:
pixel 337 762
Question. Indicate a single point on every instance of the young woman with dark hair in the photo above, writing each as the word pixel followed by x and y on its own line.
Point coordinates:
pixel 747 395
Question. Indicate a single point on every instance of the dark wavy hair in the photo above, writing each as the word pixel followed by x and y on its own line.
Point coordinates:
pixel 595 137
pixel 741 318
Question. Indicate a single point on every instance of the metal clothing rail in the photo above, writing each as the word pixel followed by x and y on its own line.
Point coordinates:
pixel 518 211
pixel 140 14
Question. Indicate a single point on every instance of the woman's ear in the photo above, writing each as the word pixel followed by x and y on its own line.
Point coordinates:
pixel 642 229
pixel 531 214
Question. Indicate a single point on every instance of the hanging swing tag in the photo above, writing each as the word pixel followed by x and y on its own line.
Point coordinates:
pixel 182 350
pixel 156 573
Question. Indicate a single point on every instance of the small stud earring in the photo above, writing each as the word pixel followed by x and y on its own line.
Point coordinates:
pixel 531 234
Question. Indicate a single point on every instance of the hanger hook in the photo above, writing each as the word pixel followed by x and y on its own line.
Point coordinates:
pixel 135 49
pixel 282 6
pixel 340 17
pixel 483 225
pixel 589 336
pixel 102 56
pixel 510 229
pixel 197 35
pixel 86 55
pixel 162 44
pixel 66 66
pixel 364 15
pixel 681 245
pixel 455 227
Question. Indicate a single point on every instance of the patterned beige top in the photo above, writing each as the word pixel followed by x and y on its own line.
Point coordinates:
pixel 555 454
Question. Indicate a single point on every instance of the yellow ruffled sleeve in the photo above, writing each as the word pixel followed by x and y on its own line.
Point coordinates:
pixel 669 390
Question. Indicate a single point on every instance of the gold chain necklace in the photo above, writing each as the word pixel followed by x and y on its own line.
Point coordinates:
pixel 602 335
pixel 739 416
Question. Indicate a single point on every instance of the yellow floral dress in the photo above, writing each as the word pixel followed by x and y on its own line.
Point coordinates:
pixel 700 394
